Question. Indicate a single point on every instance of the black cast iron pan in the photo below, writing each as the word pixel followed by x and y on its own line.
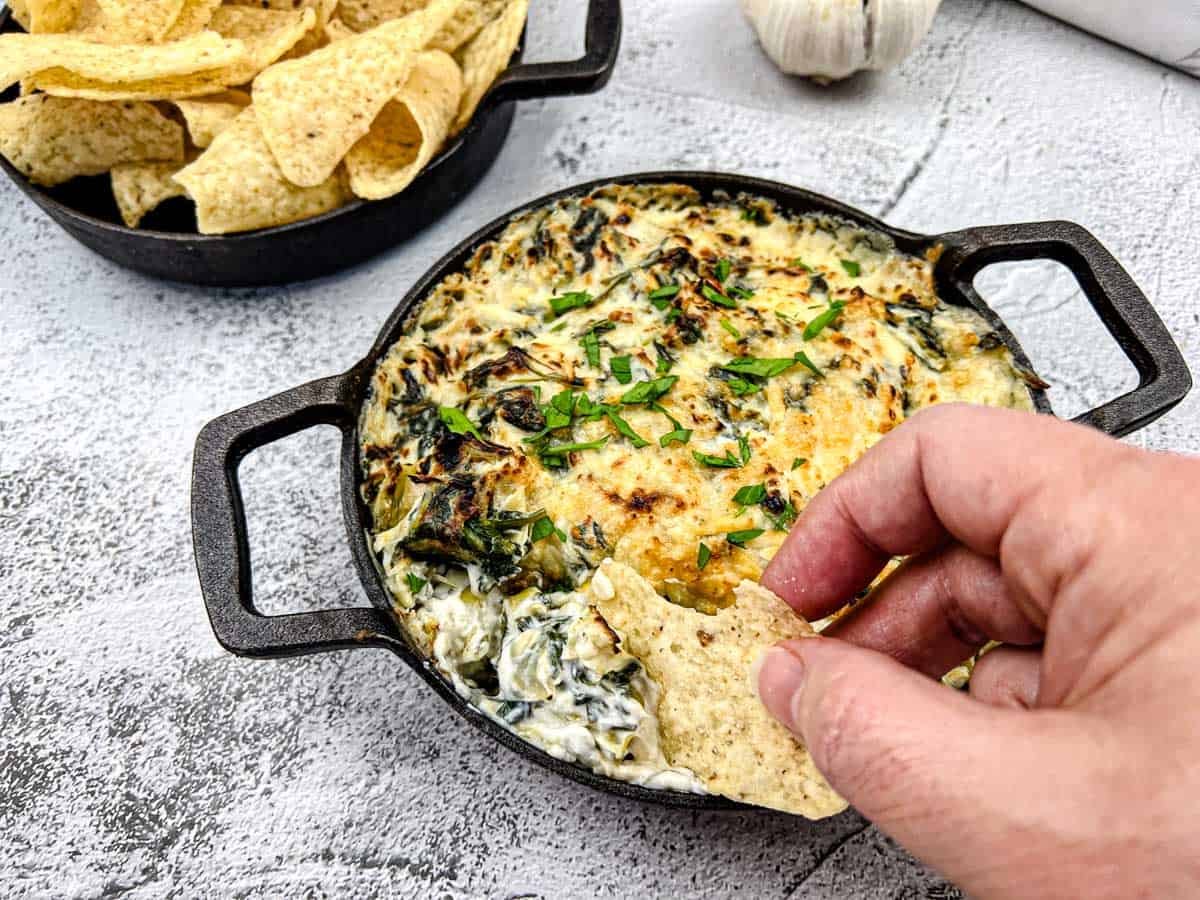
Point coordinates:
pixel 218 519
pixel 168 246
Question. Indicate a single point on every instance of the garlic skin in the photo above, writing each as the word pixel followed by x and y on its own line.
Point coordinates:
pixel 833 39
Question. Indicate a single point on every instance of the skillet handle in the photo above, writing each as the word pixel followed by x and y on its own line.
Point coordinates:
pixel 219 528
pixel 1164 379
pixel 602 40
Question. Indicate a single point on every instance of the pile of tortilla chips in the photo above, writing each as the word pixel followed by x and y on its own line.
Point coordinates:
pixel 263 112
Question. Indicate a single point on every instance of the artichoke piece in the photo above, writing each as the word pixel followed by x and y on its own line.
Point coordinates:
pixel 913 323
pixel 519 407
pixel 513 362
pixel 387 492
pixel 437 535
pixel 453 450
pixel 451 529
pixel 385 504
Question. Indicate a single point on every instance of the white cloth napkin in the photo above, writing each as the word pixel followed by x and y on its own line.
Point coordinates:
pixel 1168 30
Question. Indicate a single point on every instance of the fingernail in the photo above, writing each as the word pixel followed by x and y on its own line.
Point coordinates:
pixel 779 677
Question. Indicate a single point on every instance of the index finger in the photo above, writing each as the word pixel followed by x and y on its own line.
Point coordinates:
pixel 966 473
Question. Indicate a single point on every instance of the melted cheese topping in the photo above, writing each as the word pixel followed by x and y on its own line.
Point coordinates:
pixel 688 351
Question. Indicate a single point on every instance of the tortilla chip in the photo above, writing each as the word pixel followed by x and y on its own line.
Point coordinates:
pixel 278 4
pixel 487 55
pixel 52 139
pixel 52 16
pixel 194 17
pixel 363 15
pixel 127 21
pixel 140 187
pixel 264 35
pixel 316 36
pixel 206 117
pixel 337 30
pixel 20 12
pixel 237 184
pixel 471 18
pixel 313 110
pixel 409 131
pixel 710 718
pixel 323 9
pixel 33 55
pixel 467 21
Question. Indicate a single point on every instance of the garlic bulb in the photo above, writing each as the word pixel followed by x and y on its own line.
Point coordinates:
pixel 832 39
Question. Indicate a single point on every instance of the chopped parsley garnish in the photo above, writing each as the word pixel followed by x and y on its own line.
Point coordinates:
pixel 781 514
pixel 784 520
pixel 590 411
pixel 543 528
pixel 564 449
pixel 817 325
pixel 759 368
pixel 798 462
pixel 808 364
pixel 457 422
pixel 665 359
pixel 567 302
pixel 740 292
pixel 729 326
pixel 744 448
pixel 713 296
pixel 750 495
pixel 740 538
pixel 728 461
pixel 564 402
pixel 557 413
pixel 554 420
pixel 591 341
pixel 751 371
pixel 649 391
pixel 801 264
pixel 624 428
pixel 742 387
pixel 620 369
pixel 664 293
pixel 679 435
pixel 591 346
pixel 415 582
pixel 703 555
pixel 852 268
pixel 724 266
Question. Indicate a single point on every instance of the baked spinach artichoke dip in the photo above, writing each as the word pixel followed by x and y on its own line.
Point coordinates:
pixel 587 445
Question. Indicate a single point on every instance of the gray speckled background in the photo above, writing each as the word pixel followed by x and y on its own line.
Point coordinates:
pixel 137 759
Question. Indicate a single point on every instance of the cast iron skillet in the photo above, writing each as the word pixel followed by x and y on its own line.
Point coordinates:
pixel 218 518
pixel 169 246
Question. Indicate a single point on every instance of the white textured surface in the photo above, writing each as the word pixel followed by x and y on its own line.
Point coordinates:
pixel 138 759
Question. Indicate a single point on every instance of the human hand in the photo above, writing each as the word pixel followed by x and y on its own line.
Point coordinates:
pixel 1073 766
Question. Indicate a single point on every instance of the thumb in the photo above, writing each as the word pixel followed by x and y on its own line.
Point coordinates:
pixel 938 771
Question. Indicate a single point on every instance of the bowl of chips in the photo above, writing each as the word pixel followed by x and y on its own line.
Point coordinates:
pixel 251 142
